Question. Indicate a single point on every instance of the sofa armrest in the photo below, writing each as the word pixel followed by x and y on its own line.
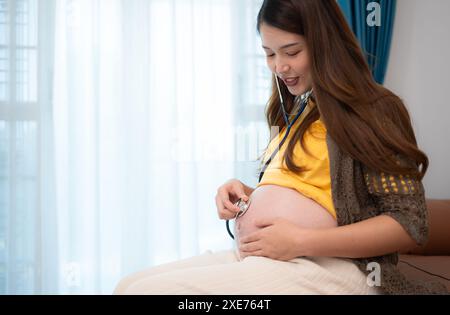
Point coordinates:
pixel 426 268
pixel 439 232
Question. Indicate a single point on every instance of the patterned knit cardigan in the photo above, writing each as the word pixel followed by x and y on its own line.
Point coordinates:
pixel 360 193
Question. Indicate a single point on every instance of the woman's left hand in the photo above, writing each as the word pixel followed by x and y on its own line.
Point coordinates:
pixel 276 238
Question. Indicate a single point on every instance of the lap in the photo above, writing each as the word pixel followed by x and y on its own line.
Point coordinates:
pixel 225 274
pixel 206 259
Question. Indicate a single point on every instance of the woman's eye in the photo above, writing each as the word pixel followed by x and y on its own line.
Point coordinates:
pixel 289 54
pixel 292 54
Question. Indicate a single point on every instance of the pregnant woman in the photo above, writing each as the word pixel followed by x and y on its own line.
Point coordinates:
pixel 303 199
pixel 340 191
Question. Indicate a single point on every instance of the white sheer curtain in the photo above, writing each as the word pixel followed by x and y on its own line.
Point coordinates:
pixel 137 130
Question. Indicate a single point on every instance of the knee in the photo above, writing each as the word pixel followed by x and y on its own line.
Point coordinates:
pixel 142 286
pixel 123 285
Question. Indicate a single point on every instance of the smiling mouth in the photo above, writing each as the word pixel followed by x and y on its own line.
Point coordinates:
pixel 291 81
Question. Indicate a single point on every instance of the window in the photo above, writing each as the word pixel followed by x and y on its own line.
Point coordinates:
pixel 255 88
pixel 253 91
pixel 26 49
pixel 19 156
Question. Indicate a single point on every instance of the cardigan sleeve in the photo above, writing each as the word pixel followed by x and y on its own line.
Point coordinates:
pixel 402 198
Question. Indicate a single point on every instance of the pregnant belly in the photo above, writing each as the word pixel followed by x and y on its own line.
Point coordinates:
pixel 272 201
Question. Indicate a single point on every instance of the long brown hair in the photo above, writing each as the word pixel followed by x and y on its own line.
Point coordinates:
pixel 366 120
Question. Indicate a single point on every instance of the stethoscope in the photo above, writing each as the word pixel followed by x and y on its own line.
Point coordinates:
pixel 241 204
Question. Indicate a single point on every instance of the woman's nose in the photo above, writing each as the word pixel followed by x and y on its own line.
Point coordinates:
pixel 281 67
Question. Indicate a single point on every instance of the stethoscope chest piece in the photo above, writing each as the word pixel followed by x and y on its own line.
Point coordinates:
pixel 243 207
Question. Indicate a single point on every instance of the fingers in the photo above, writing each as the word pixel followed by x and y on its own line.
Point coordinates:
pixel 226 196
pixel 223 195
pixel 254 237
pixel 250 247
pixel 259 253
pixel 225 208
pixel 236 189
pixel 243 197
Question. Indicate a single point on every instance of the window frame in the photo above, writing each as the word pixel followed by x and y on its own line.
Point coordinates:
pixel 14 113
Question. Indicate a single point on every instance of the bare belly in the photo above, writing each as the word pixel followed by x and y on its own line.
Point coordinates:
pixel 272 201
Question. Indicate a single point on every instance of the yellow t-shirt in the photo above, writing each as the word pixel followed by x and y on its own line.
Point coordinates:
pixel 315 182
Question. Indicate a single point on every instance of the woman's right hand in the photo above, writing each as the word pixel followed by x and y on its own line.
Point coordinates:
pixel 227 195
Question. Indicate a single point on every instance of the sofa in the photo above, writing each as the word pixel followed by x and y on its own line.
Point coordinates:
pixel 431 262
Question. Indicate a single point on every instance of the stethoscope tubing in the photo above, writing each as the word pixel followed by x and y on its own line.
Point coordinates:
pixel 289 125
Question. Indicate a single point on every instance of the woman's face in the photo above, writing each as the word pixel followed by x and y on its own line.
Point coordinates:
pixel 287 57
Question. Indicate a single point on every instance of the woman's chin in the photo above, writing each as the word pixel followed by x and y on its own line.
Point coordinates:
pixel 296 91
pixel 299 89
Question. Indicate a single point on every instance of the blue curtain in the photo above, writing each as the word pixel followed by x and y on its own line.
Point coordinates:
pixel 374 40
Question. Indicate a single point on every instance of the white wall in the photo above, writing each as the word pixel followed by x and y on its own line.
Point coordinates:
pixel 419 72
